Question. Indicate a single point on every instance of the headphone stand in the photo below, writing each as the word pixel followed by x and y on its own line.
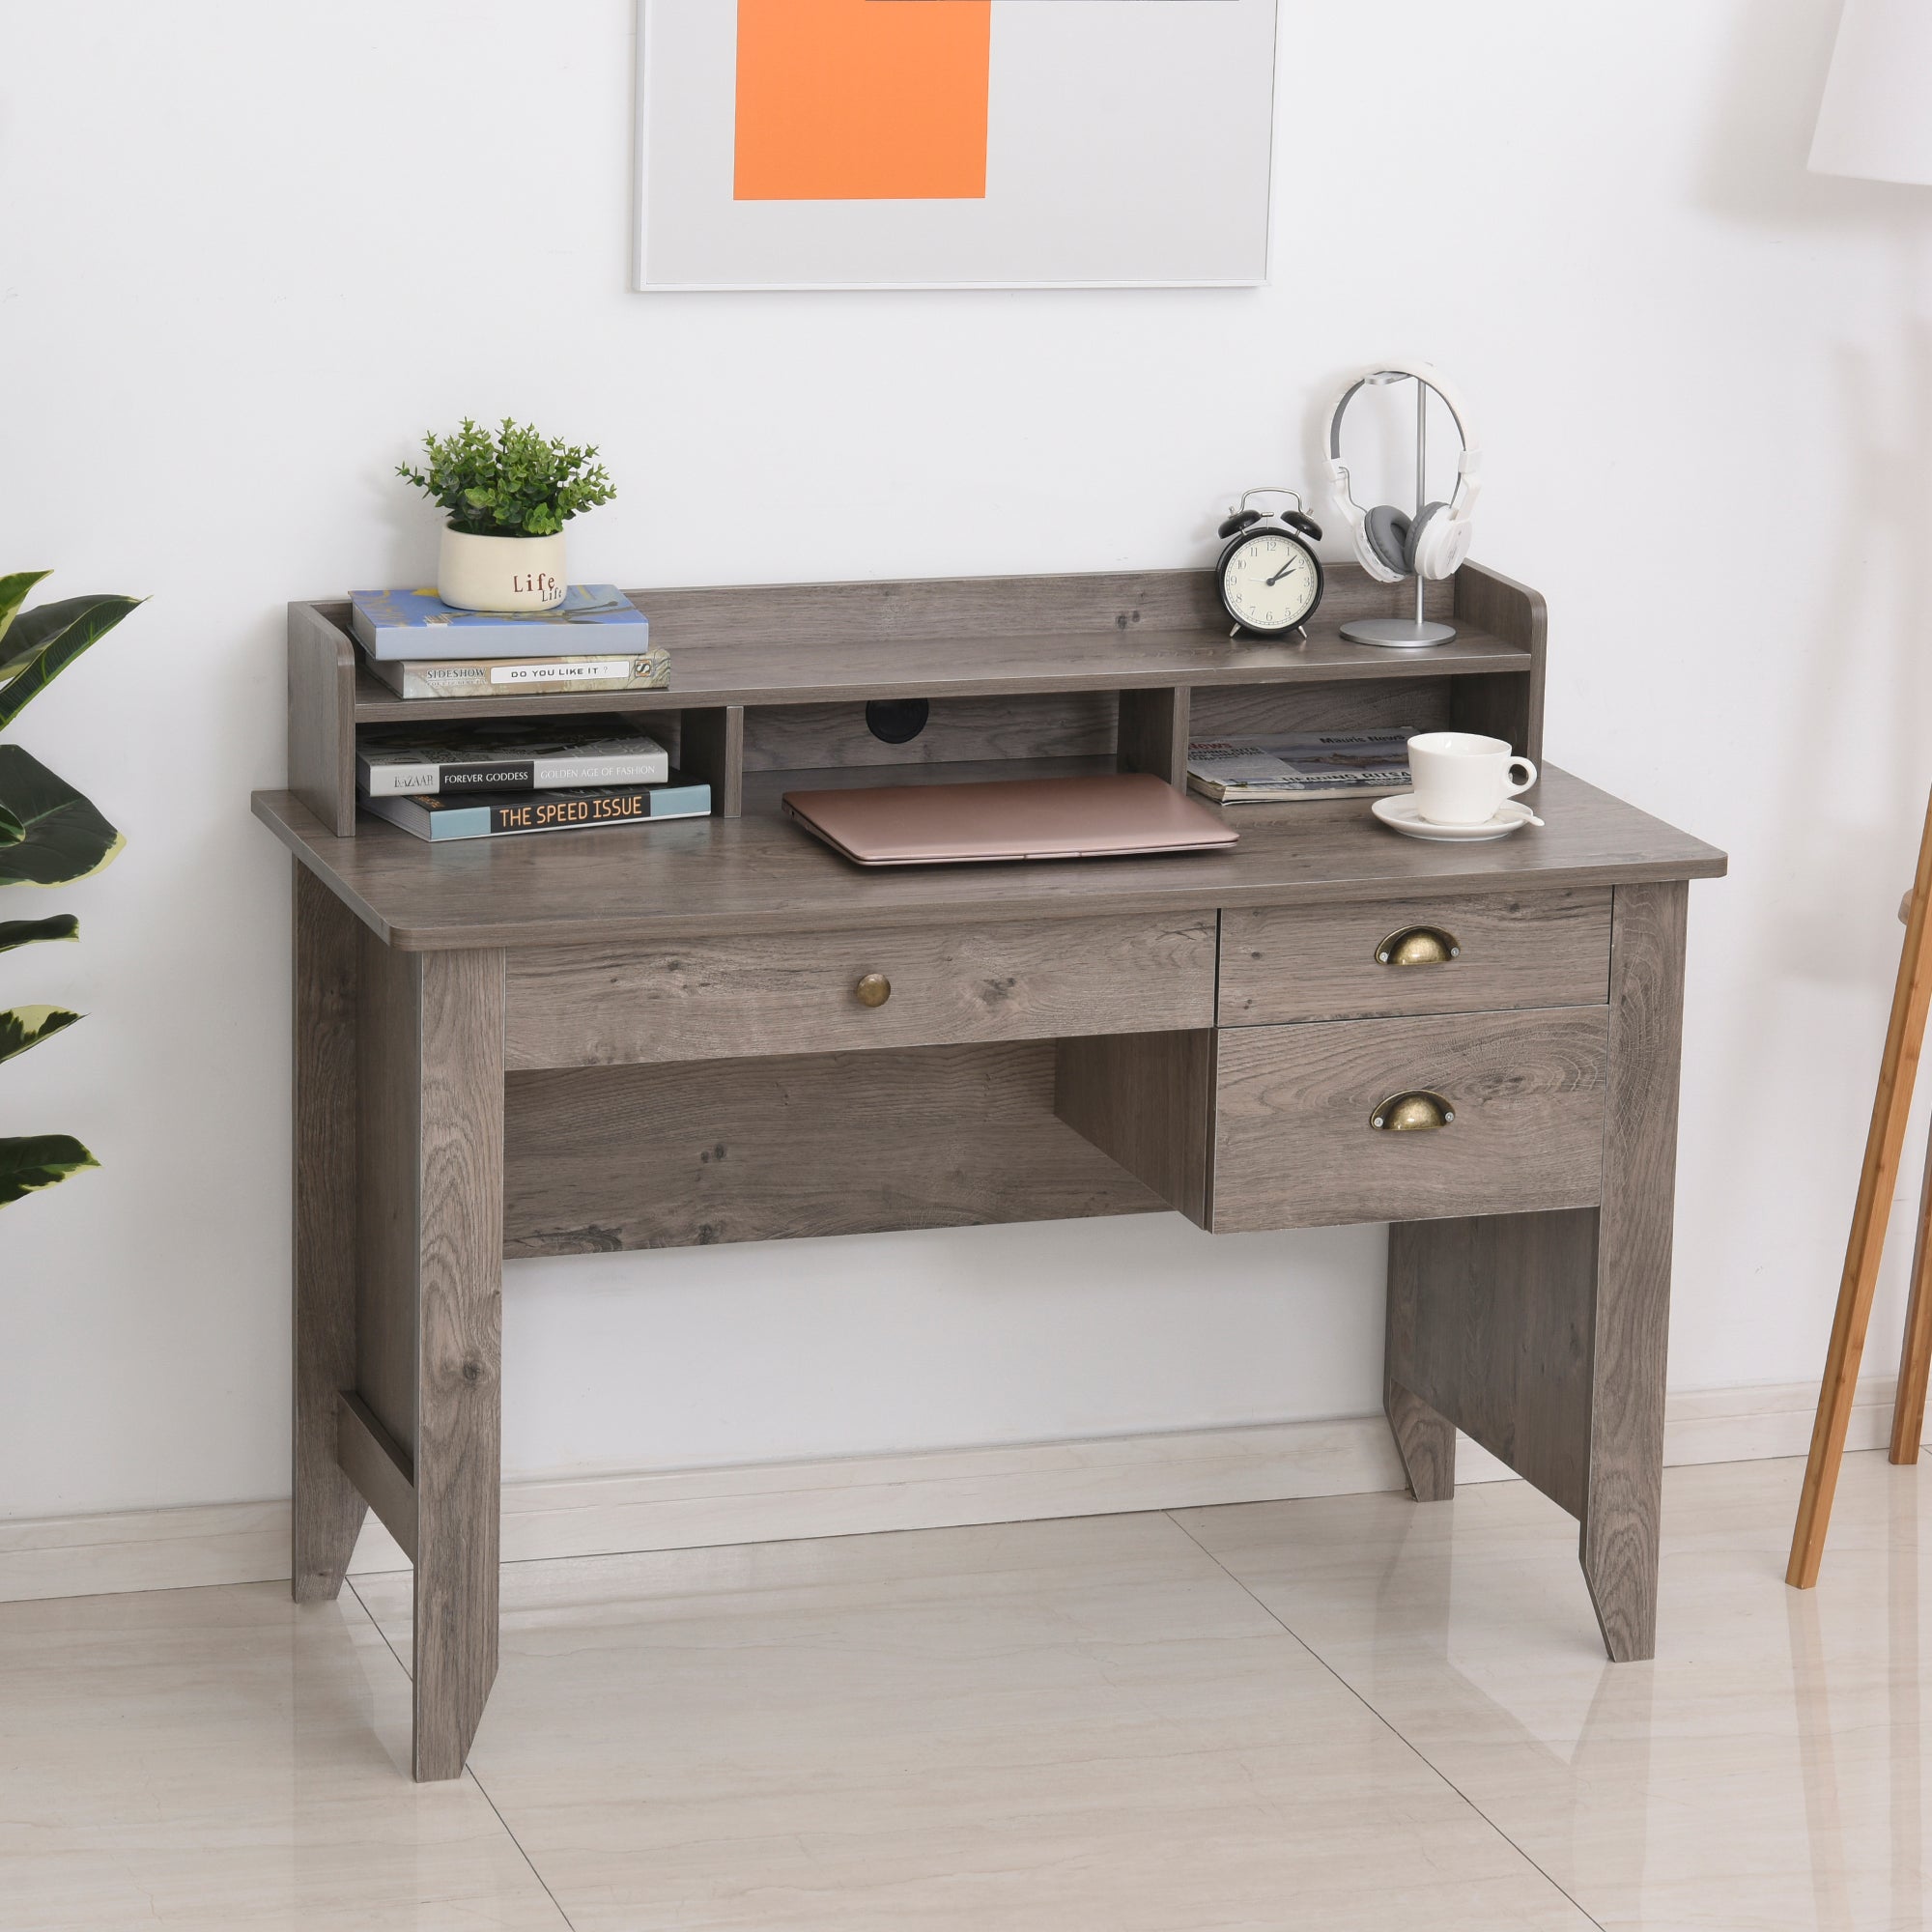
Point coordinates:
pixel 1417 633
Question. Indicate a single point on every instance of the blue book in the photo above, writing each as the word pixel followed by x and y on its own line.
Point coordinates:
pixel 507 814
pixel 593 620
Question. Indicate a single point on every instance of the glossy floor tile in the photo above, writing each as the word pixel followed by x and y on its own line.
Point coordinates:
pixel 1052 1726
pixel 215 1758
pixel 1768 1770
pixel 1339 1714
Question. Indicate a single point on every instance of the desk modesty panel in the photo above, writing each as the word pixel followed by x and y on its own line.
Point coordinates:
pixel 718 1030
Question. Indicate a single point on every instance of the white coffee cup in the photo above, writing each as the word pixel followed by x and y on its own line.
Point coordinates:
pixel 1462 778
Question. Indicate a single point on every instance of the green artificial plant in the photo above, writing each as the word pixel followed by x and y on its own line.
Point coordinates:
pixel 513 484
pixel 49 835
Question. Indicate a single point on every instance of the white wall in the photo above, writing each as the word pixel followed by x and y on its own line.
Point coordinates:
pixel 248 252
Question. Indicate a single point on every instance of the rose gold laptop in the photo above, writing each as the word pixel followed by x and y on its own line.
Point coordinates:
pixel 1109 815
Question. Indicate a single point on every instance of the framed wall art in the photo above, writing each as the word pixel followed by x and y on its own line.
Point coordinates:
pixel 876 144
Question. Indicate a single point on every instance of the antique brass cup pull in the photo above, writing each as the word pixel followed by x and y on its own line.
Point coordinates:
pixel 1418 946
pixel 873 991
pixel 1412 1112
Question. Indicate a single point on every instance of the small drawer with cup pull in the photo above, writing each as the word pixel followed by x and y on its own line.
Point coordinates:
pixel 820 992
pixel 1449 955
pixel 1408 1119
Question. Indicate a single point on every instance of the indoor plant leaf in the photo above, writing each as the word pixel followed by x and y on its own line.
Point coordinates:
pixel 25 931
pixel 28 1161
pixel 23 1027
pixel 65 837
pixel 44 640
pixel 14 590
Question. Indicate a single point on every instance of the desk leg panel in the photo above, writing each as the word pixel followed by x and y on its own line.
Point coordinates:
pixel 327 1510
pixel 430 1352
pixel 1621 1514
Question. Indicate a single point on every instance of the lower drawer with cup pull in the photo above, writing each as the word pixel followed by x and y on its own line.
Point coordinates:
pixel 1408 1119
pixel 1450 956
pixel 818 992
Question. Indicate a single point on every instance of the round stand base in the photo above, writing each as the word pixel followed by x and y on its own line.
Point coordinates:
pixel 1397 634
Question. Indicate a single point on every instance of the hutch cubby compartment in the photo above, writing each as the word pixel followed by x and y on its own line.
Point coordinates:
pixel 1022 675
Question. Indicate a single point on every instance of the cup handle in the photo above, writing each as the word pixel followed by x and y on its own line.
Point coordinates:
pixel 1515 789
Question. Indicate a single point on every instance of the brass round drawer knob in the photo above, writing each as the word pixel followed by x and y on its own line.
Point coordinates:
pixel 1412 1112
pixel 1418 946
pixel 873 991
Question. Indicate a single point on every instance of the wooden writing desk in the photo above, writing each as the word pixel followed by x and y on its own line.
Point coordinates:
pixel 649 1036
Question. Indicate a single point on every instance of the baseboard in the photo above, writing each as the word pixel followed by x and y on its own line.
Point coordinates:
pixel 682 1509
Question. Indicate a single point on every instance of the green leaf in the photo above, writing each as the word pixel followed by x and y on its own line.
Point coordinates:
pixel 23 1027
pixel 65 837
pixel 44 640
pixel 25 931
pixel 13 593
pixel 28 1161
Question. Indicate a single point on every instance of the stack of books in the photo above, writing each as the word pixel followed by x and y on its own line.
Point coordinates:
pixel 596 639
pixel 497 777
pixel 1300 764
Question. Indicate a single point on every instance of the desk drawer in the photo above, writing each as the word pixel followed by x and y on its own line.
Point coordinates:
pixel 715 999
pixel 1326 962
pixel 1295 1143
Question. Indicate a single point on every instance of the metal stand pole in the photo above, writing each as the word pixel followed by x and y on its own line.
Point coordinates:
pixel 1408 634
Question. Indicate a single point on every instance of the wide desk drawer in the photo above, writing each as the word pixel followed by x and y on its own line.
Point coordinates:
pixel 1408 1119
pixel 1452 956
pixel 823 992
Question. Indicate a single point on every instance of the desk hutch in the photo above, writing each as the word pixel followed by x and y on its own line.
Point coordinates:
pixel 650 1037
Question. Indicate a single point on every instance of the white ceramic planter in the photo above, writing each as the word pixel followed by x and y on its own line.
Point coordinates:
pixel 501 573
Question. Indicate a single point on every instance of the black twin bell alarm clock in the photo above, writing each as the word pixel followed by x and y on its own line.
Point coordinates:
pixel 1269 578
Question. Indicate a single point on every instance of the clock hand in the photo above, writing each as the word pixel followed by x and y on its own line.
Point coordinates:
pixel 1282 572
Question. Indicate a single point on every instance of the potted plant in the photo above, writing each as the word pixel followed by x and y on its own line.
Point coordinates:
pixel 49 835
pixel 508 496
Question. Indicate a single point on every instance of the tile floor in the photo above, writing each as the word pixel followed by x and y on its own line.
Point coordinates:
pixel 1332 1715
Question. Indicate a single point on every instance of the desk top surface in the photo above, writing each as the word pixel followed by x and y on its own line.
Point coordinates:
pixel 762 873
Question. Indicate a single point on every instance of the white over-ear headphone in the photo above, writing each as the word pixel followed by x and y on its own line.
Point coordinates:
pixel 1391 543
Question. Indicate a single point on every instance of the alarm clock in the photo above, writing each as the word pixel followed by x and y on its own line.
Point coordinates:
pixel 1269 578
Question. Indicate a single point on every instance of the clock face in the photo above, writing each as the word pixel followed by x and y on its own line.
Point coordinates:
pixel 1269 581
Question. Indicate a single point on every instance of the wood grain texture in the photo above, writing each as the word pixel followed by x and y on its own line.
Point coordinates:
pixel 1146 1100
pixel 328 1511
pixel 1508 705
pixel 322 718
pixel 1490 1324
pixel 1249 710
pixel 711 746
pixel 1633 1303
pixel 380 1467
pixel 1293 1147
pixel 389 1184
pixel 1426 1441
pixel 1878 1181
pixel 719 877
pixel 458 1452
pixel 1153 732
pixel 1915 1354
pixel 1515 949
pixel 602 1158
pixel 593 1005
pixel 1046 724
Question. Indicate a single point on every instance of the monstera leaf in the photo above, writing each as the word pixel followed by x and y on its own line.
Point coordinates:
pixel 23 1027
pixel 63 838
pixel 25 931
pixel 28 1161
pixel 37 645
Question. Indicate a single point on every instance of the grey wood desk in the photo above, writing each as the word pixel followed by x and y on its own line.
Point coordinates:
pixel 649 1038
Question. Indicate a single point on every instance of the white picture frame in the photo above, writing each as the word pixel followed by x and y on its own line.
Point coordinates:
pixel 1127 144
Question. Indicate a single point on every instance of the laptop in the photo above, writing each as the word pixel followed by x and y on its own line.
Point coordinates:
pixel 1105 817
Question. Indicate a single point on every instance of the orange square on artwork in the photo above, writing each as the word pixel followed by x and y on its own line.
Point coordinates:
pixel 861 100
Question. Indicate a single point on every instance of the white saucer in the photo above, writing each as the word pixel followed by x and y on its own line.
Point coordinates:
pixel 1398 814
